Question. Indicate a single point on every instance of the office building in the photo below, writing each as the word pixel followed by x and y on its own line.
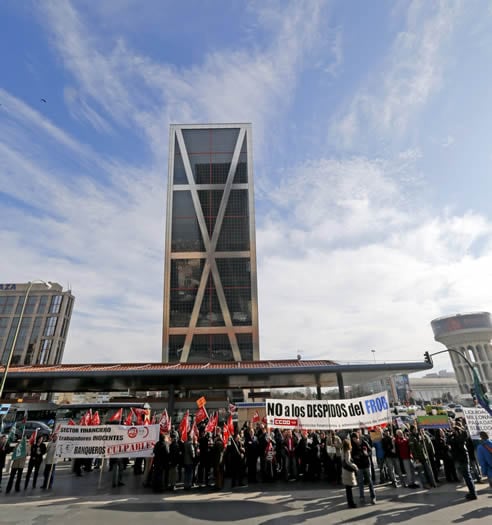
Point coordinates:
pixel 44 326
pixel 210 282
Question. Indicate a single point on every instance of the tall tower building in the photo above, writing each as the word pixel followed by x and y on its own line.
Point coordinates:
pixel 210 281
pixel 44 325
pixel 470 335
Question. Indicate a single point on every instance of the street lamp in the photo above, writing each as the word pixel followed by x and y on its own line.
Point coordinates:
pixel 374 354
pixel 17 330
pixel 478 388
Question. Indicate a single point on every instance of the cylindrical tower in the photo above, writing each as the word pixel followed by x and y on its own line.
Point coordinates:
pixel 470 335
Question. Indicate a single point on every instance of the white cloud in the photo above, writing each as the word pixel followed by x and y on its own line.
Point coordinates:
pixel 351 257
pixel 95 221
pixel 232 85
pixel 411 74
pixel 336 285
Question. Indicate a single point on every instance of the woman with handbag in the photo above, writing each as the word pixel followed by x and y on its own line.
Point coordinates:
pixel 349 468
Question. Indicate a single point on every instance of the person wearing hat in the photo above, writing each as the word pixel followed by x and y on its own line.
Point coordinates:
pixel 484 453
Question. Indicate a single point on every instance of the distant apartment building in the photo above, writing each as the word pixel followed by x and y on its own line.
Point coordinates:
pixel 44 325
pixel 210 281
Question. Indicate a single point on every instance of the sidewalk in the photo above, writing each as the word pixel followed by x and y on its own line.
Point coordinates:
pixel 80 500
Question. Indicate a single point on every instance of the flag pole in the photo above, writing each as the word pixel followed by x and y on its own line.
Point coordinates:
pixel 51 473
pixel 101 472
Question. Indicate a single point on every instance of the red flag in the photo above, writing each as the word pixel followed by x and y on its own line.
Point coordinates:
pixel 139 413
pixel 230 425
pixel 33 437
pixel 86 418
pixel 264 420
pixel 225 435
pixel 184 426
pixel 165 423
pixel 201 415
pixel 143 416
pixel 212 423
pixel 116 417
pixel 129 418
pixel 95 420
pixel 71 423
pixel 194 430
pixel 256 417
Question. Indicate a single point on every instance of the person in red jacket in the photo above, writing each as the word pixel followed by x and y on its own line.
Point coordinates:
pixel 403 451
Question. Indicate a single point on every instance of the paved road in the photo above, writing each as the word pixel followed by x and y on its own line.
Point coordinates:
pixel 79 500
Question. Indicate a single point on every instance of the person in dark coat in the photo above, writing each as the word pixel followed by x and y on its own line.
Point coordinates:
pixel 204 446
pixel 174 459
pixel 361 457
pixel 4 450
pixel 160 464
pixel 251 446
pixel 38 450
pixel 237 461
pixel 218 459
pixel 457 442
pixel 443 452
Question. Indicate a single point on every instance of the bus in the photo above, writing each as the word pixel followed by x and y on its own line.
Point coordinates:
pixel 44 411
pixel 74 412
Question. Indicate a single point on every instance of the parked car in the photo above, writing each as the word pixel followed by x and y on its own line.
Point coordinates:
pixel 458 408
pixel 30 428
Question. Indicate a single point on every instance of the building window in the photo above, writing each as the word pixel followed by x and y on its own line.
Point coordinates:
pixel 4 322
pixel 64 328
pixel 22 335
pixel 7 304
pixel 50 326
pixel 55 304
pixel 36 329
pixel 31 305
pixel 43 301
pixel 29 354
pixel 69 306
pixel 44 352
pixel 10 338
pixel 59 352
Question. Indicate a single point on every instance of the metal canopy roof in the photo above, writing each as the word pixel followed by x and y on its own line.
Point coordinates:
pixel 224 375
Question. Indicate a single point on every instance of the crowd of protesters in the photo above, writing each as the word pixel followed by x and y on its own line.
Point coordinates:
pixel 33 453
pixel 405 457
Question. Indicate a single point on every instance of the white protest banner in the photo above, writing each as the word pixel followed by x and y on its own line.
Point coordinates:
pixel 368 411
pixel 106 441
pixel 478 420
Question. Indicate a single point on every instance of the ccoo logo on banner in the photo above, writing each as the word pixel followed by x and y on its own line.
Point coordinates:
pixel 368 411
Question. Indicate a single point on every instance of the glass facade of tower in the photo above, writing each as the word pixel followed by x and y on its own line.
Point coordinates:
pixel 43 327
pixel 210 284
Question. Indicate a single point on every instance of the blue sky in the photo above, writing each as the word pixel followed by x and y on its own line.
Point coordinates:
pixel 371 125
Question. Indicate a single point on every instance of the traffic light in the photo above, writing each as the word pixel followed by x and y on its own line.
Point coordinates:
pixel 428 358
